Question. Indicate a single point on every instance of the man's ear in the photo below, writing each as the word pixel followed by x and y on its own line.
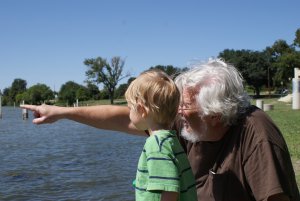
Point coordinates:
pixel 215 119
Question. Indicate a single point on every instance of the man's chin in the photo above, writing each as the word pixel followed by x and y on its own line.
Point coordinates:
pixel 189 135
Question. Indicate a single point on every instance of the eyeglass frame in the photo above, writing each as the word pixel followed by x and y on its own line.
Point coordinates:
pixel 182 105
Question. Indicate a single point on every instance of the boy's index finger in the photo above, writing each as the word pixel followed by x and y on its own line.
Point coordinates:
pixel 29 107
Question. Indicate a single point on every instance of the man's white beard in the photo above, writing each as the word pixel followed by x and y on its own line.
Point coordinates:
pixel 192 137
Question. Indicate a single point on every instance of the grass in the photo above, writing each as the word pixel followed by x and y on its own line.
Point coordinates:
pixel 287 120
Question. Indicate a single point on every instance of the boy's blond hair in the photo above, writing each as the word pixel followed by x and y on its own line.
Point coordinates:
pixel 155 90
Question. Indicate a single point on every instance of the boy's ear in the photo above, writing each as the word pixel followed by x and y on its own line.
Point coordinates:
pixel 142 109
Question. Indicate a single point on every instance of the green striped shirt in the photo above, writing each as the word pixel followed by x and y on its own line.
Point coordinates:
pixel 163 166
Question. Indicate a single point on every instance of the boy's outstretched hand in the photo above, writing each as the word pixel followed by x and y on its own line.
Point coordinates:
pixel 43 113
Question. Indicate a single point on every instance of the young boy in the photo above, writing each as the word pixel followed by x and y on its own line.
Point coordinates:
pixel 163 173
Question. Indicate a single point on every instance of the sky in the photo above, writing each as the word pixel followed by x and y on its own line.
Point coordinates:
pixel 47 41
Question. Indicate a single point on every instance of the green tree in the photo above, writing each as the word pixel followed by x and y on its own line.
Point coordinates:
pixel 274 66
pixel 20 97
pixel 5 99
pixel 18 87
pixel 38 94
pixel 130 80
pixel 100 71
pixel 93 91
pixel 170 70
pixel 284 58
pixel 68 92
pixel 253 65
pixel 82 93
pixel 279 47
pixel 297 38
pixel 285 65
pixel 120 92
pixel 104 94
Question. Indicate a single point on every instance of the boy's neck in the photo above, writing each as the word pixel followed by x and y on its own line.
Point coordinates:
pixel 155 126
pixel 153 129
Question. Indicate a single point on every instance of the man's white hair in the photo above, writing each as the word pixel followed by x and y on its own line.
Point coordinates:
pixel 220 89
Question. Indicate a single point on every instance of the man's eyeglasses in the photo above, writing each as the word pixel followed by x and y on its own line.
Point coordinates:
pixel 187 106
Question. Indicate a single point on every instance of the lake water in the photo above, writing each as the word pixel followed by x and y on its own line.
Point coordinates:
pixel 64 161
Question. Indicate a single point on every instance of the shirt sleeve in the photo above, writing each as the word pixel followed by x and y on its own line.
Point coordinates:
pixel 163 173
pixel 268 171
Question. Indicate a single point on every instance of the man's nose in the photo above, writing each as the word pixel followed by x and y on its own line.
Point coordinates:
pixel 180 110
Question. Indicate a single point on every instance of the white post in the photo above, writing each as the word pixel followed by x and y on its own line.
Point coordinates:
pixel 260 104
pixel 296 89
pixel 76 102
pixel 268 107
pixel 24 112
pixel 0 107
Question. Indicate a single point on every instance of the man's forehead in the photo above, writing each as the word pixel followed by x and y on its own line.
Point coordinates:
pixel 191 91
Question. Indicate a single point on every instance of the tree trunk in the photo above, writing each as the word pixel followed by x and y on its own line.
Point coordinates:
pixel 257 92
pixel 111 97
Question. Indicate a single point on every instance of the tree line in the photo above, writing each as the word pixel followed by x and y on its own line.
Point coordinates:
pixel 99 71
pixel 271 68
